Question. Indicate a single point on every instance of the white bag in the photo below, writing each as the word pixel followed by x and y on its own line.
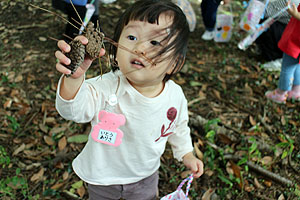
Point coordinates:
pixel 179 194
pixel 224 24
pixel 254 12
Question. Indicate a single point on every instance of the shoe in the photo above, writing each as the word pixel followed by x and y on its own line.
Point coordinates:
pixel 274 65
pixel 276 97
pixel 208 35
pixel 293 95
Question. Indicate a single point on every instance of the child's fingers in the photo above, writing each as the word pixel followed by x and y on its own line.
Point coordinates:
pixel 61 61
pixel 61 58
pixel 197 169
pixel 82 38
pixel 102 52
pixel 62 45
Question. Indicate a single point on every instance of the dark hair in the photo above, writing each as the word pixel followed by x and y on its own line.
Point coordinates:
pixel 149 11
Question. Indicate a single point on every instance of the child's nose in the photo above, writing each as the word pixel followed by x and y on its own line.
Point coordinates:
pixel 140 48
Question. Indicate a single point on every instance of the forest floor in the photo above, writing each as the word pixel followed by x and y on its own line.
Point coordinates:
pixel 249 145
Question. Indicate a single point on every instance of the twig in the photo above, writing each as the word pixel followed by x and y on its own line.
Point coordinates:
pixel 195 100
pixel 200 121
pixel 292 164
pixel 28 26
pixel 263 171
pixel 59 157
pixel 268 128
pixel 27 123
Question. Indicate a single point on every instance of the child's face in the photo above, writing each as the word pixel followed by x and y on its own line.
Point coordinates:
pixel 145 38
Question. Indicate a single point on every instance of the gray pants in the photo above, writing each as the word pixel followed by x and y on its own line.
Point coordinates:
pixel 145 189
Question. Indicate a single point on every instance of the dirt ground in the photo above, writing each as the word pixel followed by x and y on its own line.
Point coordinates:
pixel 224 86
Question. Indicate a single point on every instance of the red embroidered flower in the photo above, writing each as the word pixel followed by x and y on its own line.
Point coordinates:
pixel 171 115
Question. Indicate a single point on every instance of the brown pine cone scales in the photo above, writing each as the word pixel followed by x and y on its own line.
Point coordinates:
pixel 95 43
pixel 76 55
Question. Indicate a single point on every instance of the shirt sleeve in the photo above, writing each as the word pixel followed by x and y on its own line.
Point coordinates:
pixel 276 6
pixel 181 142
pixel 82 108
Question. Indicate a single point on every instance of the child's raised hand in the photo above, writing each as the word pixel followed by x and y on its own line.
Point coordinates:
pixel 293 11
pixel 62 59
pixel 194 164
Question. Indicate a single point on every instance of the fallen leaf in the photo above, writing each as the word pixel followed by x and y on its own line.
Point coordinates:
pixel 62 143
pixel 65 175
pixel 200 142
pixel 267 160
pixel 268 183
pixel 57 130
pixel 19 78
pixel 81 191
pixel 283 121
pixel 18 46
pixel 228 168
pixel 198 151
pixel 281 197
pixel 49 140
pixel 78 138
pixel 38 176
pixel 252 121
pixel 7 104
pixel 207 194
pixel 42 39
pixel 57 186
pixel 257 184
pixel 19 149
pixel 217 94
pixel 77 184
pixel 209 172
pixel 237 173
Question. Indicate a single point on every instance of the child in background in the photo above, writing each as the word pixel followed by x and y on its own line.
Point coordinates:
pixel 138 99
pixel 267 42
pixel 209 10
pixel 289 80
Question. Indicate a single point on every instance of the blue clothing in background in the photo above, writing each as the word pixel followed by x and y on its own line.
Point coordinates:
pixel 290 73
pixel 209 13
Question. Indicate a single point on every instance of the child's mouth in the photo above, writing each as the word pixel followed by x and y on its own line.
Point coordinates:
pixel 137 64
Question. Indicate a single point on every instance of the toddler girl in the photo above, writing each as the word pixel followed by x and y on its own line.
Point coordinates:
pixel 134 110
pixel 289 80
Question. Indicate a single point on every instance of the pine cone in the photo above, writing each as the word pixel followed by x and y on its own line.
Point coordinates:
pixel 95 41
pixel 76 55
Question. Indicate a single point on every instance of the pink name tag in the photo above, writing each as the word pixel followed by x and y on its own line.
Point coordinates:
pixel 107 130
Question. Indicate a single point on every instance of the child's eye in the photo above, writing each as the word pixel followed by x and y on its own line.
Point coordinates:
pixel 155 43
pixel 131 37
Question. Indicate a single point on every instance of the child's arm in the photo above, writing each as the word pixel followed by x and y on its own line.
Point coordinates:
pixel 294 11
pixel 194 164
pixel 71 85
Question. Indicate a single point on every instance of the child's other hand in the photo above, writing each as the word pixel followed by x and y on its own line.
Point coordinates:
pixel 194 164
pixel 62 59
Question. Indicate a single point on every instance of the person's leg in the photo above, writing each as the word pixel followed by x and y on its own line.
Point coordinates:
pixel 209 12
pixel 286 79
pixel 288 69
pixel 98 192
pixel 295 92
pixel 145 189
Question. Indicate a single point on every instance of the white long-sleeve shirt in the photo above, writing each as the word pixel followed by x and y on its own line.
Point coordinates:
pixel 138 156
